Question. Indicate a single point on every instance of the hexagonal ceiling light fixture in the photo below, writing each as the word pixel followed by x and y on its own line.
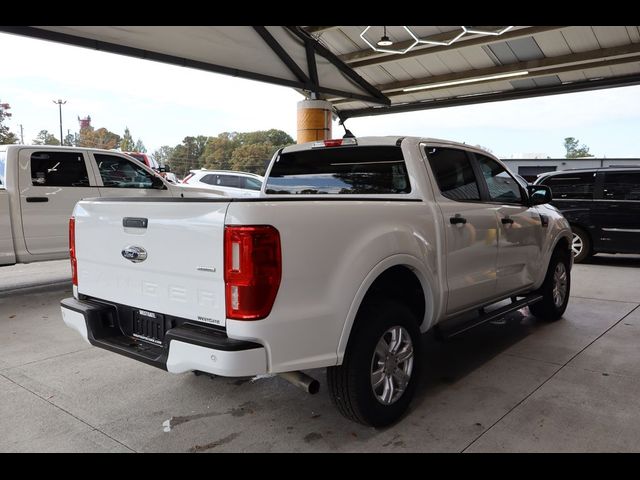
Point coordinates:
pixel 385 41
pixel 497 31
pixel 444 43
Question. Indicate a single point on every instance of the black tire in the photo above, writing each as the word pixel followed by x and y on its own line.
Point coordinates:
pixel 581 241
pixel 551 307
pixel 350 384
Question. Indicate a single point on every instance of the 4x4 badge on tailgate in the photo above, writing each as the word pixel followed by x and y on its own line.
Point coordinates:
pixel 134 253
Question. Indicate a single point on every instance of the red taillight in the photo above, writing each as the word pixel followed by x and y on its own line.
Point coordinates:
pixel 252 270
pixel 184 180
pixel 72 251
pixel 333 143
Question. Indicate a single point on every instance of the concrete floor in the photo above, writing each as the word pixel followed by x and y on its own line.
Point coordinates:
pixel 514 386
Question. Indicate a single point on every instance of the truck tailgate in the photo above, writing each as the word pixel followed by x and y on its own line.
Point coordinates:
pixel 182 274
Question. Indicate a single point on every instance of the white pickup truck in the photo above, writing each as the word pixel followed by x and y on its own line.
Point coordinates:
pixel 354 249
pixel 40 185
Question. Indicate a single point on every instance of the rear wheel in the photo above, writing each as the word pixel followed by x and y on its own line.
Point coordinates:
pixel 377 379
pixel 580 244
pixel 555 290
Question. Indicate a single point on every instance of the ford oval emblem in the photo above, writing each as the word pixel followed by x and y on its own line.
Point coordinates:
pixel 134 254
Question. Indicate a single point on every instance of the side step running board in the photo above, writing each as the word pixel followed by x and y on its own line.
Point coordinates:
pixel 445 333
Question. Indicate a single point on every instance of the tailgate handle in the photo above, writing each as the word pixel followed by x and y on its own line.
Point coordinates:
pixel 133 222
pixel 37 199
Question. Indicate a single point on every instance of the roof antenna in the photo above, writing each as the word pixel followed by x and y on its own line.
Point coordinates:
pixel 347 132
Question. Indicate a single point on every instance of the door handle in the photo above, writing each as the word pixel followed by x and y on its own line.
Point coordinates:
pixel 37 199
pixel 457 220
pixel 507 221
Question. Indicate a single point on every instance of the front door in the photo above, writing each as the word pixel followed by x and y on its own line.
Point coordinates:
pixel 520 235
pixel 51 183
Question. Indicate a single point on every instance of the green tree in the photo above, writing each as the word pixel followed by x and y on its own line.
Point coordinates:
pixel 275 137
pixel 139 146
pixel 248 151
pixel 218 151
pixel 127 144
pixel 100 138
pixel 252 158
pixel 187 155
pixel 6 136
pixel 575 151
pixel 162 155
pixel 45 138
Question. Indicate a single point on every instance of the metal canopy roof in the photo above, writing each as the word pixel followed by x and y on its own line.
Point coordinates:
pixel 336 64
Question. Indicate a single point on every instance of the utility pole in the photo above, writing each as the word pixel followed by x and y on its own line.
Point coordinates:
pixel 21 135
pixel 60 103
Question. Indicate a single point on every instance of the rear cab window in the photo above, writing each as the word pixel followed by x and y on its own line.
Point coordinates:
pixel 340 170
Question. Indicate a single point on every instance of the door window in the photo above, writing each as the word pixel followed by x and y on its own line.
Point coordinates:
pixel 454 173
pixel 571 185
pixel 502 186
pixel 58 169
pixel 229 181
pixel 118 172
pixel 251 183
pixel 621 186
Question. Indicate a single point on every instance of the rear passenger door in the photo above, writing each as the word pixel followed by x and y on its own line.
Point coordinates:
pixel 520 228
pixel 120 177
pixel 617 213
pixel 51 183
pixel 471 239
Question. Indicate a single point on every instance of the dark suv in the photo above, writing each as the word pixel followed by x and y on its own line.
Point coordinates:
pixel 602 206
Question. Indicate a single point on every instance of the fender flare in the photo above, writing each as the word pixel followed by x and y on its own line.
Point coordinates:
pixel 547 255
pixel 426 279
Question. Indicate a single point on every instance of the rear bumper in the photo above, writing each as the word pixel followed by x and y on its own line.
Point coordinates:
pixel 185 347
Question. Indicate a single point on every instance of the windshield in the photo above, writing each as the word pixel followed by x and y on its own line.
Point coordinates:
pixel 3 159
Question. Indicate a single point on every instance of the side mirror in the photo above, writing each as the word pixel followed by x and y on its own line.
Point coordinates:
pixel 539 194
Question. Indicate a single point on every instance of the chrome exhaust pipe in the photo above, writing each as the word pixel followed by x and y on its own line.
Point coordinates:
pixel 302 380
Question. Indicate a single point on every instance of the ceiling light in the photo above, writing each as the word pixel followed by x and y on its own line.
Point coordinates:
pixel 468 80
pixel 384 40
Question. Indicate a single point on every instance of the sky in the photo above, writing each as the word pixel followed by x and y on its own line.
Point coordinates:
pixel 161 104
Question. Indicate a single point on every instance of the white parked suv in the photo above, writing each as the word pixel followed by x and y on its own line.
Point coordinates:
pixel 354 249
pixel 233 183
